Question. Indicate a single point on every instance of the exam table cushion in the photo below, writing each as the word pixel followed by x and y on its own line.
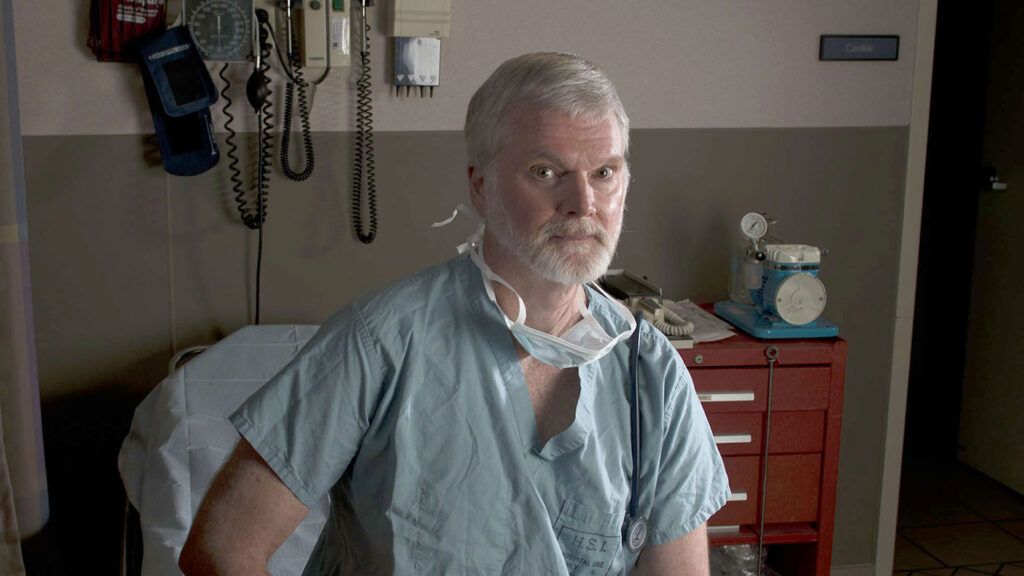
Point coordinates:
pixel 180 436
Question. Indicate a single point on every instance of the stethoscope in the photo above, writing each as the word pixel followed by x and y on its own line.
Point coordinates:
pixel 635 527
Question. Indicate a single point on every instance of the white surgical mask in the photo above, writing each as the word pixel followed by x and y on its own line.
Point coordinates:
pixel 582 344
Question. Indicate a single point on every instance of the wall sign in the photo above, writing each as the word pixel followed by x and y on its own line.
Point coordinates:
pixel 847 47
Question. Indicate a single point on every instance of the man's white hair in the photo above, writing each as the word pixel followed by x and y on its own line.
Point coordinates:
pixel 551 81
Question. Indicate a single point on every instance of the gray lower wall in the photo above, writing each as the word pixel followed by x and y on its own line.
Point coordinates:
pixel 129 264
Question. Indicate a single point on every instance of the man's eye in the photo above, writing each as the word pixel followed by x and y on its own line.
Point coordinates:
pixel 604 173
pixel 543 172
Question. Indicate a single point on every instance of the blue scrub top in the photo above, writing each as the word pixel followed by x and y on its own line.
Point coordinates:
pixel 410 407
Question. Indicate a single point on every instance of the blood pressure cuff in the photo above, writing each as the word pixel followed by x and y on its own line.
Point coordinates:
pixel 115 26
pixel 180 93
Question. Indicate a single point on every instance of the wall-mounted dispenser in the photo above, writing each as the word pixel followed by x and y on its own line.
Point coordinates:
pixel 418 26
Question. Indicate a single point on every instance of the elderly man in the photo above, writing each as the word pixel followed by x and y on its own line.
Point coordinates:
pixel 475 418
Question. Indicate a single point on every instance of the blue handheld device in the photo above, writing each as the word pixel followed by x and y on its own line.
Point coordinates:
pixel 180 93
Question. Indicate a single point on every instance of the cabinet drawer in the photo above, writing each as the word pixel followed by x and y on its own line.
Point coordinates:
pixel 740 433
pixel 743 472
pixel 797 431
pixel 742 350
pixel 737 434
pixel 745 389
pixel 792 491
pixel 794 482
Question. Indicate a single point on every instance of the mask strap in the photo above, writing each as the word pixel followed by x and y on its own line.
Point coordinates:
pixel 460 208
pixel 474 238
pixel 478 259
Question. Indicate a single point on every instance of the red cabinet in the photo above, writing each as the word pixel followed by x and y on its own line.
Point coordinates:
pixel 801 457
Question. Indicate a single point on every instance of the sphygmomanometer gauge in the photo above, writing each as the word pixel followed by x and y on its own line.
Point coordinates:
pixel 222 28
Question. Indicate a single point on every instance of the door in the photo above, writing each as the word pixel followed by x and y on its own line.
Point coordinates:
pixel 992 417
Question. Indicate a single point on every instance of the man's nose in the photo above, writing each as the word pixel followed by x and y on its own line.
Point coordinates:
pixel 577 195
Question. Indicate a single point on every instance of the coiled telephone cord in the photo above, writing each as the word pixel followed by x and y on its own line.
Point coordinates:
pixel 673 324
pixel 363 157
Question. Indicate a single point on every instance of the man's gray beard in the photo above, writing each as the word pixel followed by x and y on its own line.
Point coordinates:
pixel 568 265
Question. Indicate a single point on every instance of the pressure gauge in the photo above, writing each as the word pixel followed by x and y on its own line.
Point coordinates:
pixel 222 28
pixel 754 225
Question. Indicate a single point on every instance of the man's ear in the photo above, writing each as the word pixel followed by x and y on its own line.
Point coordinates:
pixel 476 188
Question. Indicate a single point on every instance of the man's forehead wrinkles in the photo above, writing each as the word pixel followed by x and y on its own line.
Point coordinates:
pixel 555 158
pixel 543 154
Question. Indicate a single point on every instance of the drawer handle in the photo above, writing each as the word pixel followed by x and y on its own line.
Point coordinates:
pixel 725 396
pixel 733 439
pixel 725 529
pixel 737 497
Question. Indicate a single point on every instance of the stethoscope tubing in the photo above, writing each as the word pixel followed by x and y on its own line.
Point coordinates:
pixel 635 528
pixel 634 417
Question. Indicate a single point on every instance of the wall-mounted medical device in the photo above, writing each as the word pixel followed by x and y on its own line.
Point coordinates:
pixel 305 35
pixel 116 25
pixel 418 27
pixel 223 29
pixel 326 33
pixel 180 93
pixel 310 39
pixel 774 287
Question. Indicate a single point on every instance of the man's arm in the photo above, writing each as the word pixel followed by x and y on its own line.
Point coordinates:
pixel 246 515
pixel 684 556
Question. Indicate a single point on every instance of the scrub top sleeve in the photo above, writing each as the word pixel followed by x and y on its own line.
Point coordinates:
pixel 692 483
pixel 308 421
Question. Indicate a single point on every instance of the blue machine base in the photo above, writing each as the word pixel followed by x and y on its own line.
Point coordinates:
pixel 754 322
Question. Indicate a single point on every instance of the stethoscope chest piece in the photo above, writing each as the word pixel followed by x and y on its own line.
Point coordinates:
pixel 635 534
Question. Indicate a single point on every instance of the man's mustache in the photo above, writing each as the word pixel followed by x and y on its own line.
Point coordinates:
pixel 575 227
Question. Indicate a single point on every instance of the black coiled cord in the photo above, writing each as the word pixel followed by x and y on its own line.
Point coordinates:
pixel 266 142
pixel 266 148
pixel 266 153
pixel 253 220
pixel 258 92
pixel 236 173
pixel 363 153
pixel 300 85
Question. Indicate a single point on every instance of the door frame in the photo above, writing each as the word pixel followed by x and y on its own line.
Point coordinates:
pixel 906 287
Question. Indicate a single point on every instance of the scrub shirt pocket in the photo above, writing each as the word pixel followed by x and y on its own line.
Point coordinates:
pixel 590 539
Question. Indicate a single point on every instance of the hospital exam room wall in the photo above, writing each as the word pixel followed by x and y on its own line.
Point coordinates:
pixel 731 111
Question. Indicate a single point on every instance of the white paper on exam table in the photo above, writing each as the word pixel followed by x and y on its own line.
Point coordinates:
pixel 706 326
pixel 180 436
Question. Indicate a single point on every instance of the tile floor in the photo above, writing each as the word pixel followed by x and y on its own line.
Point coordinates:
pixel 955 520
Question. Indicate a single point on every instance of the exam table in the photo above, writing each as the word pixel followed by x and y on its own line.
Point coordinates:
pixel 180 436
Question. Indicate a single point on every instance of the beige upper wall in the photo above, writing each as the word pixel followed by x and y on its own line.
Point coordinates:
pixel 677 63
